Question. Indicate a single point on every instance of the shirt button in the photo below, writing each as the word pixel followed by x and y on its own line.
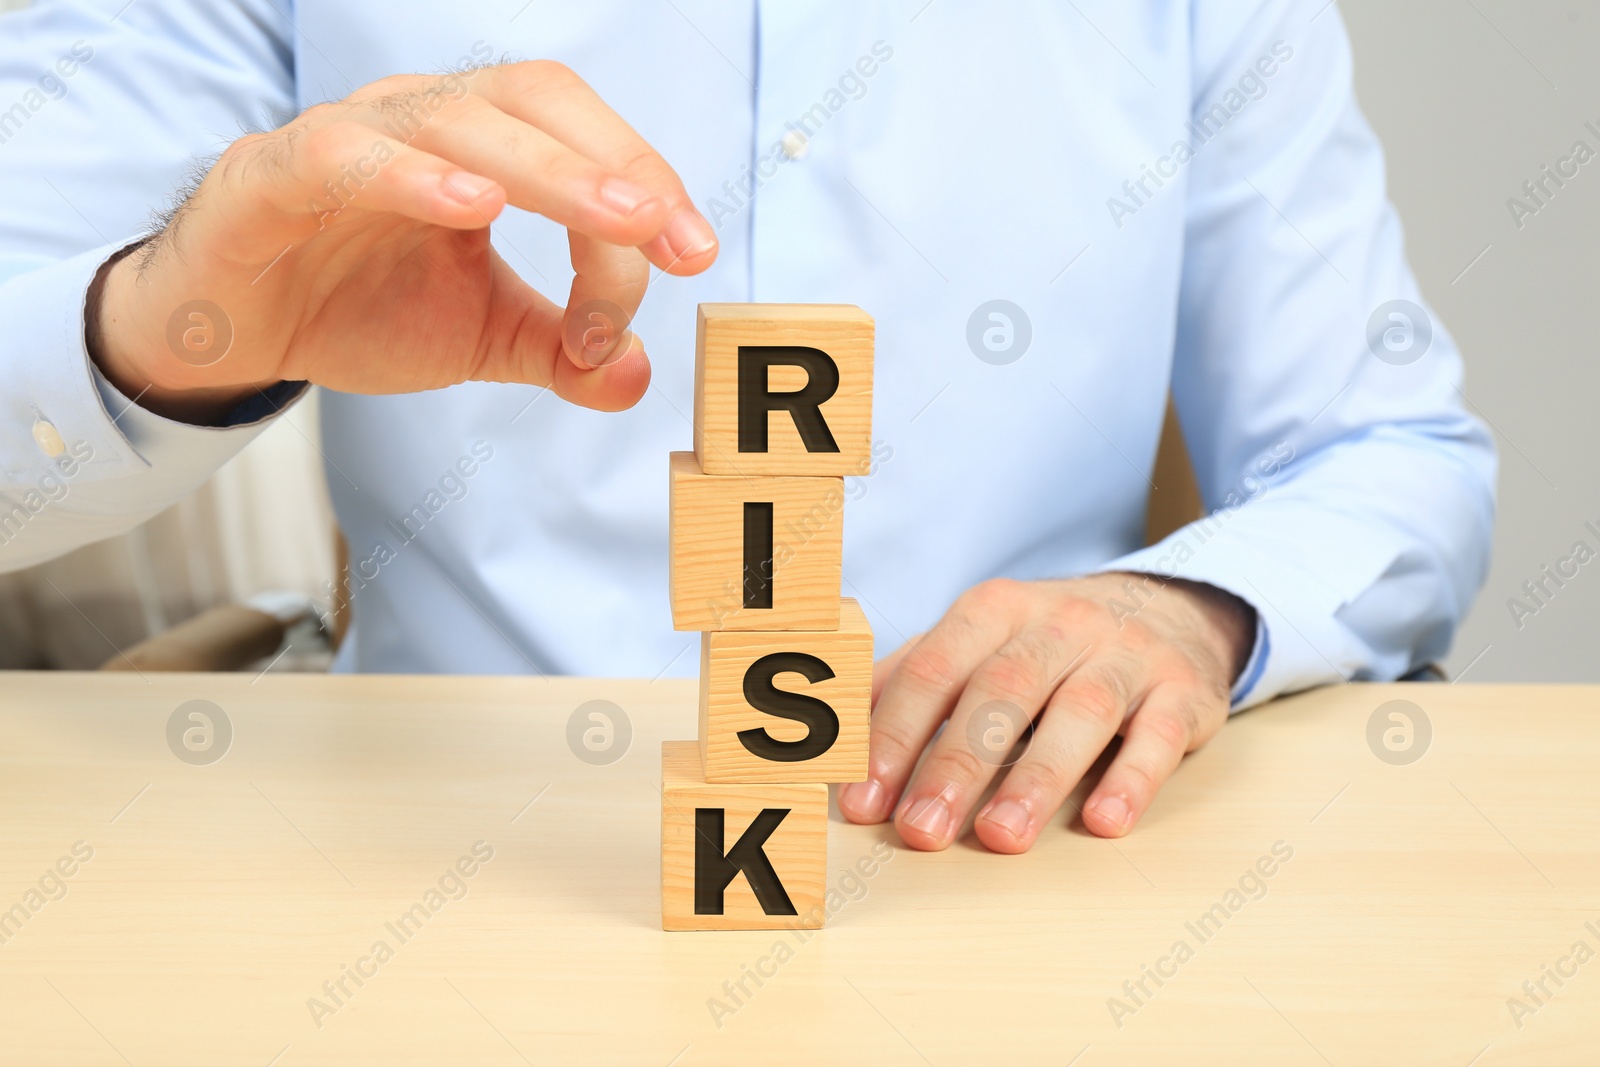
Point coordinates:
pixel 48 438
pixel 795 144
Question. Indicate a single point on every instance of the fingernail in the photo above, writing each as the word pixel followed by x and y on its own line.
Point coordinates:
pixel 689 235
pixel 1114 810
pixel 931 817
pixel 1012 815
pixel 466 186
pixel 866 798
pixel 622 196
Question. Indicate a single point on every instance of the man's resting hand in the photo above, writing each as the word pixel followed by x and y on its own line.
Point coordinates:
pixel 1056 653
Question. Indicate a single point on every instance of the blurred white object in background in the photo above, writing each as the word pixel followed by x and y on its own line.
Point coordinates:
pixel 262 525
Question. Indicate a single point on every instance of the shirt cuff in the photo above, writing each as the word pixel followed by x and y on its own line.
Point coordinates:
pixel 1254 667
pixel 50 405
pixel 1299 640
pixel 183 451
pixel 57 401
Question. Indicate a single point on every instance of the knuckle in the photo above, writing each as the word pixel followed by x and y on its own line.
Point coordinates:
pixel 1079 613
pixel 956 764
pixel 1043 778
pixel 1036 646
pixel 412 108
pixel 544 76
pixel 1180 670
pixel 1137 636
pixel 1099 702
pixel 1115 674
pixel 1141 780
pixel 1015 676
pixel 1174 730
pixel 383 88
pixel 314 118
pixel 318 114
pixel 929 669
pixel 996 593
pixel 324 146
pixel 404 100
pixel 646 167
pixel 988 599
pixel 1119 672
pixel 246 147
pixel 258 155
pixel 892 744
pixel 1198 677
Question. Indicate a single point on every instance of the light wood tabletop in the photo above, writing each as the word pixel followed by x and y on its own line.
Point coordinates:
pixel 422 871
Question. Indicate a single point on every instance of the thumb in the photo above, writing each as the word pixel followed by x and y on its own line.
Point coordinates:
pixel 523 343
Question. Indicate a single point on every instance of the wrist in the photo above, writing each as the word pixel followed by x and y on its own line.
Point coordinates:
pixel 1230 623
pixel 150 378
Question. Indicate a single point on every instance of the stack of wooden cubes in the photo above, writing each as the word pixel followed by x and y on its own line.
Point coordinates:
pixel 782 413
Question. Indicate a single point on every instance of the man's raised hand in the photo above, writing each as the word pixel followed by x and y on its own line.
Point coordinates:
pixel 351 248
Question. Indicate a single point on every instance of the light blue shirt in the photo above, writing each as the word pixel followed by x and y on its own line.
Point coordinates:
pixel 1165 193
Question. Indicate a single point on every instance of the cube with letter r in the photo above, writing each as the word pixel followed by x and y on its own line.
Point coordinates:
pixel 783 389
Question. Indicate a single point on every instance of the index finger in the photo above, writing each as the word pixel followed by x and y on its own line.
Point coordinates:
pixel 553 98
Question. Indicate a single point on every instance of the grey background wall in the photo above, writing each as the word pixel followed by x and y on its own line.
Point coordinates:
pixel 1472 98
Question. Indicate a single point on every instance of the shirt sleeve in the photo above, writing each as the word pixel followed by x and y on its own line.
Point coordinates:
pixel 1350 489
pixel 110 114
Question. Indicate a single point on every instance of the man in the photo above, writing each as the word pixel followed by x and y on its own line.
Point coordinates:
pixel 1054 212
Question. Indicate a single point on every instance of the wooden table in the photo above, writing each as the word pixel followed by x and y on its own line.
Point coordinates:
pixel 221 897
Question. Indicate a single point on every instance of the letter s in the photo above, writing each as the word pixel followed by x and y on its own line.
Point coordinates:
pixel 762 695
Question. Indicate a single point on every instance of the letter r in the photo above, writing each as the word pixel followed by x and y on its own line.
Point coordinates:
pixel 803 405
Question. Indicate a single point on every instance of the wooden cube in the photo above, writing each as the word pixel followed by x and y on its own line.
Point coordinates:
pixel 783 389
pixel 739 857
pixel 754 553
pixel 787 706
